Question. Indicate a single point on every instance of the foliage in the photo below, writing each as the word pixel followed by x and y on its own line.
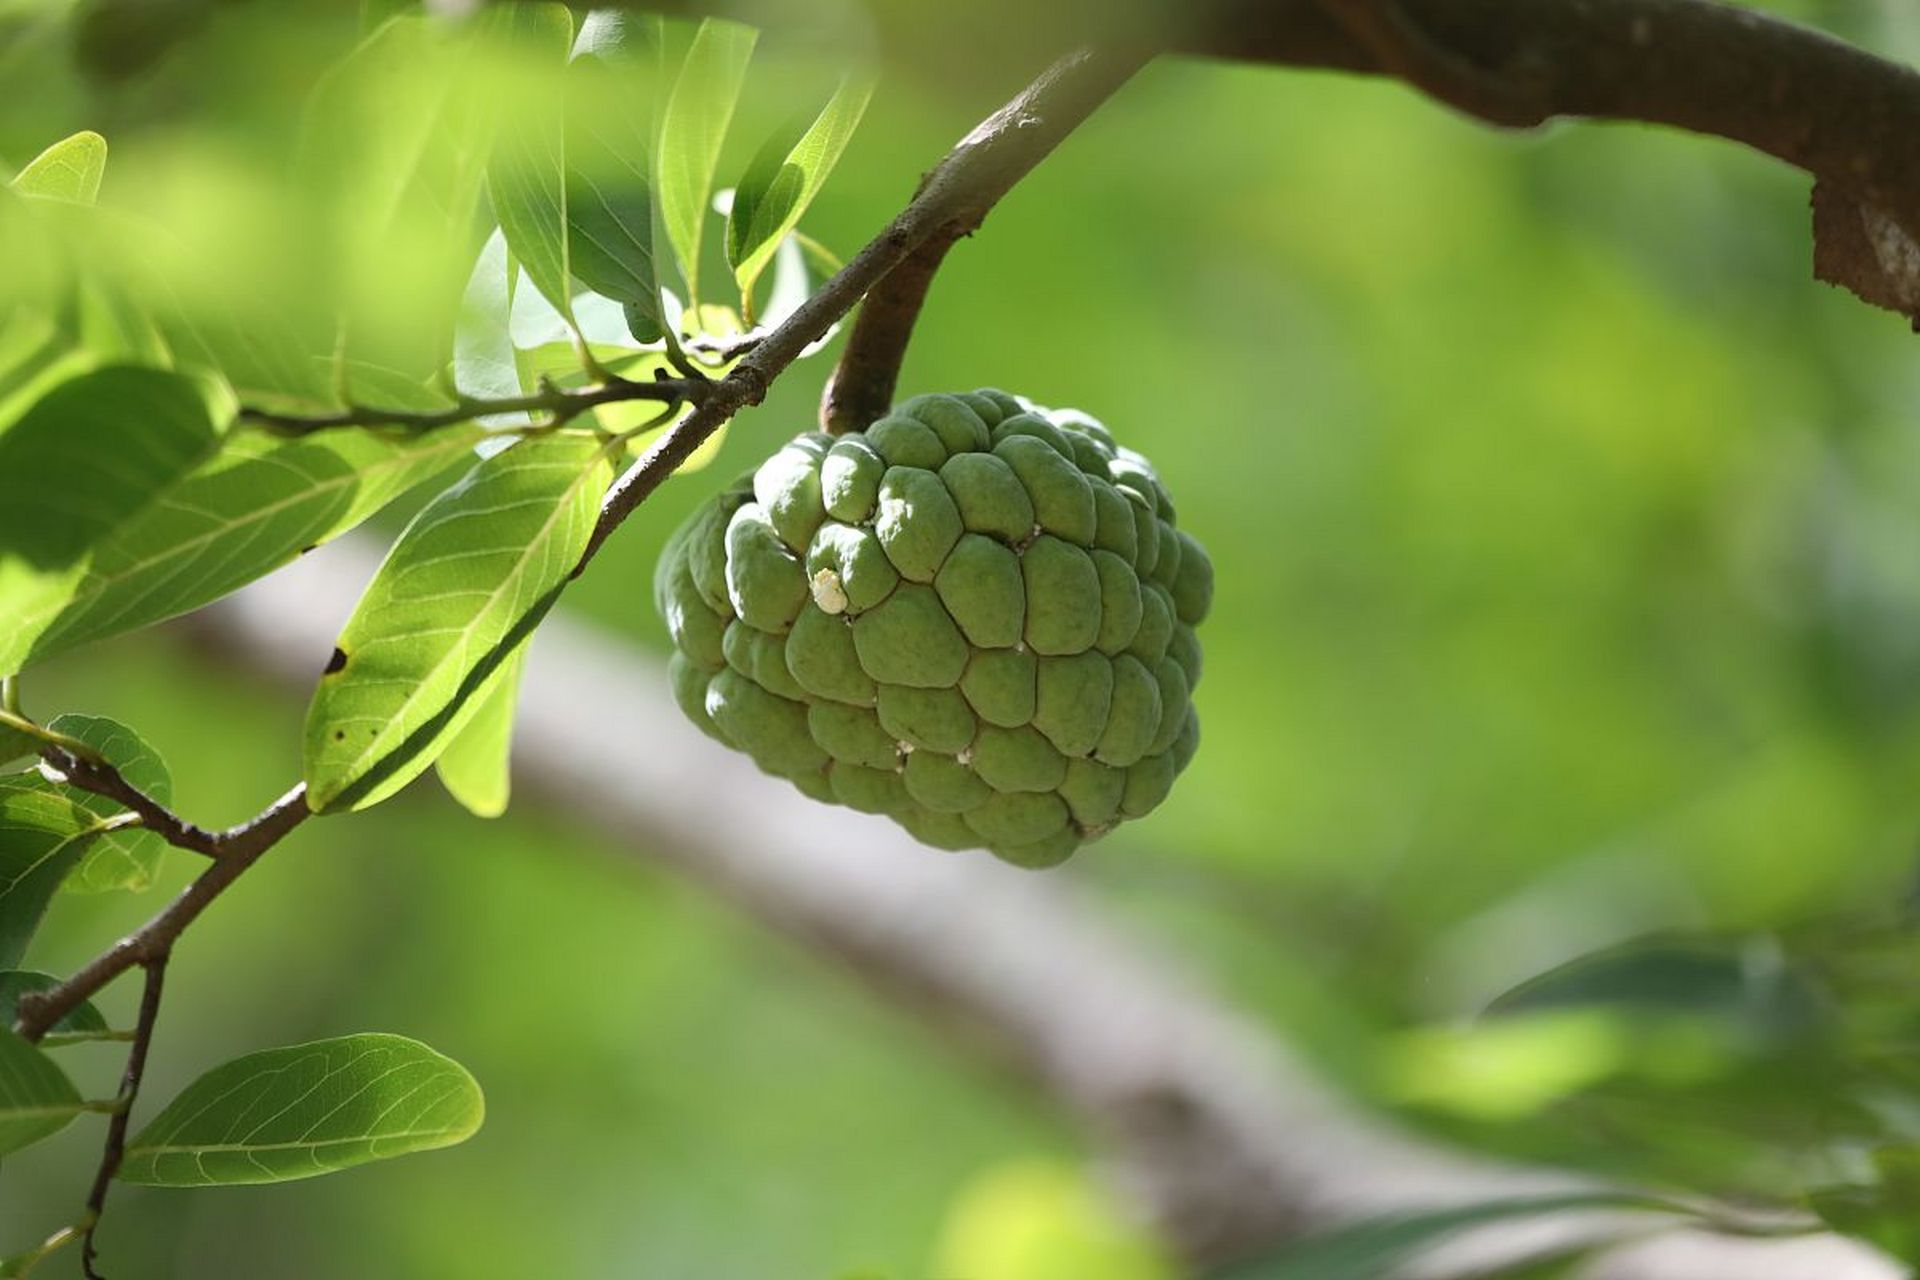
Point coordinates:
pixel 1598 646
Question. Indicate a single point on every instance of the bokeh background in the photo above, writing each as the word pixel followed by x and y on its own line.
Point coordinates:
pixel 1565 535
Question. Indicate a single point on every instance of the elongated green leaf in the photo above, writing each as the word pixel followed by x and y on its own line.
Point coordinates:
pixel 70 169
pixel 1378 1246
pixel 474 766
pixel 95 451
pixel 42 835
pixel 785 177
pixel 253 508
pixel 609 192
pixel 307 1110
pixel 123 859
pixel 36 1098
pixel 528 172
pixel 85 1020
pixel 692 128
pixel 465 584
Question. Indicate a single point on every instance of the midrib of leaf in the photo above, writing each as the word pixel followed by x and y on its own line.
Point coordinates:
pixel 508 581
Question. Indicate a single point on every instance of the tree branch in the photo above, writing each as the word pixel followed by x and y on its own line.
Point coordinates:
pixel 116 1145
pixel 560 406
pixel 1838 112
pixel 233 852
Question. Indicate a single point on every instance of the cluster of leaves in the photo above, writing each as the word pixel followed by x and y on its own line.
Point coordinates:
pixel 479 210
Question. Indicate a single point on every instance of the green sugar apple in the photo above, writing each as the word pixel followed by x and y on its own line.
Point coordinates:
pixel 976 618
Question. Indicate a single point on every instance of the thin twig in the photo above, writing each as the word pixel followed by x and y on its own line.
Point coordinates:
pixel 103 779
pixel 116 1145
pixel 560 406
pixel 234 851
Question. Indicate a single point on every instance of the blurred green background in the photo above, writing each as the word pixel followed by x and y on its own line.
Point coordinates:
pixel 1564 531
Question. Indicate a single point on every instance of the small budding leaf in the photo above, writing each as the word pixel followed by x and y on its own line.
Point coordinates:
pixel 467 581
pixel 305 1110
pixel 694 124
pixel 70 169
pixel 784 178
pixel 36 1098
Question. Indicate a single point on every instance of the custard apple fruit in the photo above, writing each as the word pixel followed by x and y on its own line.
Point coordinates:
pixel 976 617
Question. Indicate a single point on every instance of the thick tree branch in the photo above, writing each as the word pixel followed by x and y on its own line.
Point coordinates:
pixel 1838 112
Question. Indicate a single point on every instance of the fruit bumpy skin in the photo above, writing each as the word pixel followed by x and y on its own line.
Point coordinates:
pixel 976 618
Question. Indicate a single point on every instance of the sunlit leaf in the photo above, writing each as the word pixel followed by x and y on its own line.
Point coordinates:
pixel 36 1098
pixel 692 128
pixel 473 767
pixel 85 1020
pixel 256 506
pixel 42 835
pixel 306 1110
pixel 468 580
pixel 528 172
pixel 784 178
pixel 70 169
pixel 117 859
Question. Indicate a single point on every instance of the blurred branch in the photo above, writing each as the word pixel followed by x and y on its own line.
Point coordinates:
pixel 1230 1147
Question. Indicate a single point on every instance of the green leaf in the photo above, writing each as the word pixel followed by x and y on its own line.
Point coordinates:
pixel 609 194
pixel 96 450
pixel 784 178
pixel 36 1098
pixel 255 507
pixel 468 580
pixel 87 456
pixel 306 1110
pixel 528 172
pixel 70 169
pixel 1379 1246
pixel 85 1020
pixel 694 124
pixel 42 835
pixel 125 859
pixel 473 768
